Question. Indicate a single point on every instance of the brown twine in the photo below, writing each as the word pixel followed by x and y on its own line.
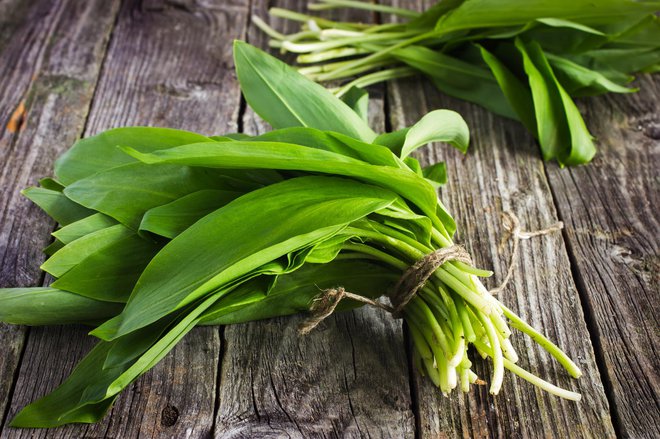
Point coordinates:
pixel 412 280
pixel 515 234
pixel 415 277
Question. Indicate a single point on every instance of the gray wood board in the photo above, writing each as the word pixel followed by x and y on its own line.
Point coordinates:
pixel 611 211
pixel 50 56
pixel 168 64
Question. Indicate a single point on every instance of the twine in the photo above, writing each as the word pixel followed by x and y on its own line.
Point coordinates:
pixel 412 280
pixel 515 234
pixel 415 277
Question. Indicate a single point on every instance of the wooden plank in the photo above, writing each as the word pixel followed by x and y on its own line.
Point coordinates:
pixel 168 64
pixel 49 63
pixel 347 379
pixel 610 208
pixel 503 171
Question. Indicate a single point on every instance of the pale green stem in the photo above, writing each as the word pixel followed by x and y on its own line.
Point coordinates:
pixel 267 29
pixel 333 4
pixel 496 354
pixel 539 338
pixel 528 376
pixel 376 56
pixel 374 78
pixel 309 58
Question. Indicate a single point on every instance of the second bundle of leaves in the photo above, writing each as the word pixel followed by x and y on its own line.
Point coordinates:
pixel 522 60
pixel 163 230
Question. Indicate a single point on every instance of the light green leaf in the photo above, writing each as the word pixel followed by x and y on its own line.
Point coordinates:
pixel 285 98
pixel 516 92
pixel 581 81
pixel 82 227
pixel 437 126
pixel 473 14
pixel 110 273
pixel 97 153
pixel 49 306
pixel 436 173
pixel 56 205
pixel 562 132
pixel 146 186
pixel 171 219
pixel 294 292
pixel 284 156
pixel 73 253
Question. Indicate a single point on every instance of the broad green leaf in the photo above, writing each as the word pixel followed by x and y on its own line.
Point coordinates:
pixel 52 184
pixel 327 250
pixel 368 152
pixel 284 156
pixel 358 100
pixel 171 219
pixel 457 78
pixel 431 16
pixel 437 126
pixel 56 205
pixel 53 247
pixel 516 92
pixel 97 153
pixel 287 216
pixel 49 306
pixel 414 165
pixel 87 394
pixel 561 129
pixel 110 273
pixel 285 98
pixel 472 14
pixel 73 253
pixel 309 137
pixel 581 81
pixel 614 63
pixel 85 226
pixel 145 186
pixel 401 217
pixel 436 173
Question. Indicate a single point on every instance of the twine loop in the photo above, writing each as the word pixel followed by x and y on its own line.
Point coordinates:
pixel 515 233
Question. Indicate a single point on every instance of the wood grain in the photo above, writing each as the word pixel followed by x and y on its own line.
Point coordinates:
pixel 49 64
pixel 348 379
pixel 611 211
pixel 168 64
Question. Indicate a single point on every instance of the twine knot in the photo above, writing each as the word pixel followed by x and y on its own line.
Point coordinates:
pixel 405 289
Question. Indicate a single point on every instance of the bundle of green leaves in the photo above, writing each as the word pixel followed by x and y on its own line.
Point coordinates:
pixel 525 61
pixel 163 230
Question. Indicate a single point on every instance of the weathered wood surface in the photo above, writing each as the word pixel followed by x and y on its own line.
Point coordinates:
pixel 50 56
pixel 168 63
pixel 613 227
